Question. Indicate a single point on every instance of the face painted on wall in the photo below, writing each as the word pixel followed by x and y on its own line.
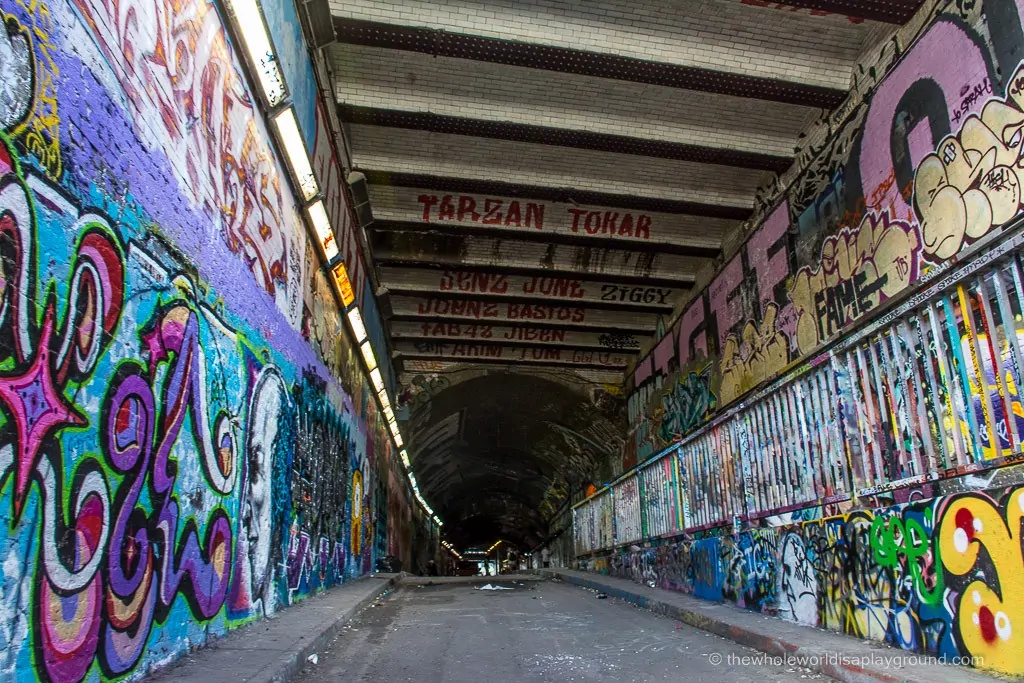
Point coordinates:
pixel 268 398
pixel 798 585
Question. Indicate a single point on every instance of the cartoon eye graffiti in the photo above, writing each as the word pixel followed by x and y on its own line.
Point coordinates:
pixel 949 153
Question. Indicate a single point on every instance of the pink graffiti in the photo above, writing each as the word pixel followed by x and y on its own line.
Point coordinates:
pixel 725 308
pixel 771 269
pixel 688 324
pixel 928 60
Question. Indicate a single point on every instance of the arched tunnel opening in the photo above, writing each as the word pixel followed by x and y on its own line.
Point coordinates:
pixel 501 455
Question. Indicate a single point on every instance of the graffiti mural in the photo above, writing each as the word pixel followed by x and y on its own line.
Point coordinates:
pixel 178 454
pixel 972 182
pixel 687 405
pixel 858 269
pixel 922 162
pixel 182 73
pixel 937 576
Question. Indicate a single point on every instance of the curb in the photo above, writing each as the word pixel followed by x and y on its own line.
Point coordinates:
pixel 848 673
pixel 288 666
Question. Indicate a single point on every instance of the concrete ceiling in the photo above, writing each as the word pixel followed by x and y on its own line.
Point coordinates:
pixel 547 179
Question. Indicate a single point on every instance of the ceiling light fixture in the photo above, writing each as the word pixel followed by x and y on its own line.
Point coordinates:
pixel 368 357
pixel 322 225
pixel 295 150
pixel 355 320
pixel 256 39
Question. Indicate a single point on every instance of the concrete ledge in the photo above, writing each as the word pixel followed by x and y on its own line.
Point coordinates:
pixel 273 650
pixel 838 656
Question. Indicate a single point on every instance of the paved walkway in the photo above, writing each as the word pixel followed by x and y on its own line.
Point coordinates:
pixel 273 650
pixel 456 632
pixel 536 632
pixel 837 656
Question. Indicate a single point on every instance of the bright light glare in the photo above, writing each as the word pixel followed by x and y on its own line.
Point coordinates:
pixel 322 225
pixel 368 357
pixel 261 52
pixel 358 329
pixel 295 150
pixel 378 381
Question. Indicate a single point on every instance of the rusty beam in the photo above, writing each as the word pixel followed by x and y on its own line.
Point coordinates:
pixel 514 353
pixel 516 335
pixel 547 315
pixel 518 356
pixel 530 272
pixel 886 11
pixel 578 240
pixel 515 257
pixel 531 288
pixel 553 194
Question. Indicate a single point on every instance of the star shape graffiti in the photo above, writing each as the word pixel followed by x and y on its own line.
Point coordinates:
pixel 34 403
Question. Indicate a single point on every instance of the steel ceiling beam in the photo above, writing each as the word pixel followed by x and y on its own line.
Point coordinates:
pixel 442 43
pixel 553 194
pixel 887 11
pixel 561 137
pixel 639 329
pixel 509 343
pixel 515 365
pixel 512 269
pixel 404 290
pixel 582 240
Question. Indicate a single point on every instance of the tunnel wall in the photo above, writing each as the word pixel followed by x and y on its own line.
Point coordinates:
pixel 903 574
pixel 831 430
pixel 856 222
pixel 187 442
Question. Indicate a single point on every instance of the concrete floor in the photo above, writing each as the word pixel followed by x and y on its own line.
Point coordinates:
pixel 540 631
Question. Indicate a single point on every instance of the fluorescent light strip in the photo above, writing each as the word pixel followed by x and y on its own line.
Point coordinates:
pixel 368 357
pixel 322 225
pixel 378 381
pixel 295 150
pixel 253 30
pixel 355 320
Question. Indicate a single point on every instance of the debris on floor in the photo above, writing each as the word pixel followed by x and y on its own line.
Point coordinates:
pixel 602 596
pixel 489 587
pixel 313 658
